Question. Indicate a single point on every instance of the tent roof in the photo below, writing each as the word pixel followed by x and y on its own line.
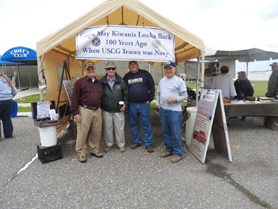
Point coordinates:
pixel 242 55
pixel 20 54
pixel 121 12
pixel 9 63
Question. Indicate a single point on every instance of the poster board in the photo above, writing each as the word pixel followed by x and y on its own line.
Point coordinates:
pixel 210 118
pixel 68 84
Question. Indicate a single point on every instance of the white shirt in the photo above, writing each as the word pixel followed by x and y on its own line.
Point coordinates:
pixel 226 84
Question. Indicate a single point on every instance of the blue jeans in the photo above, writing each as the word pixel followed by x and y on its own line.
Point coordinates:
pixel 142 111
pixel 171 122
pixel 5 115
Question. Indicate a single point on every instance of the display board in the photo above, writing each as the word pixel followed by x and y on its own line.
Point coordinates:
pixel 210 118
pixel 68 84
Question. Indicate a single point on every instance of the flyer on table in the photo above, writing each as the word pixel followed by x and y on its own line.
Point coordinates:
pixel 118 42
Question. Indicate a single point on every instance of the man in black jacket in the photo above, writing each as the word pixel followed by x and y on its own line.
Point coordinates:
pixel 243 86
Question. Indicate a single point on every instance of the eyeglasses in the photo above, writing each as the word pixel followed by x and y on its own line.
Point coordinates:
pixel 90 68
pixel 111 69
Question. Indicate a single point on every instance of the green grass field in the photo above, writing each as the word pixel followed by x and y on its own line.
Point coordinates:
pixel 260 88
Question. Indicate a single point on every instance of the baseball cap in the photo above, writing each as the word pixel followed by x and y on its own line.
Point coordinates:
pixel 89 64
pixel 110 65
pixel 170 64
pixel 274 64
pixel 132 62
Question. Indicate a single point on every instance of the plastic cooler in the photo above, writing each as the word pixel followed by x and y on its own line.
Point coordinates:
pixel 190 124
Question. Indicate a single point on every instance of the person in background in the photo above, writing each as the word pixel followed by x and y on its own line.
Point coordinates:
pixel 272 89
pixel 243 86
pixel 225 83
pixel 14 78
pixel 114 91
pixel 141 91
pixel 7 92
pixel 85 107
pixel 171 92
pixel 208 79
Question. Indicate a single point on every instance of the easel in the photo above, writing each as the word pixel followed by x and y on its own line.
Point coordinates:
pixel 66 75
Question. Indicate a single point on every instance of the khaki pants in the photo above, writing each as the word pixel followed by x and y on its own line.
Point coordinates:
pixel 114 121
pixel 91 122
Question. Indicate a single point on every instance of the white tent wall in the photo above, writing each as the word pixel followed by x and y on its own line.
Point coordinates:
pixel 191 68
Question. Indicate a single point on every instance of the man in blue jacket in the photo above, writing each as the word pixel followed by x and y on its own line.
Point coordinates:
pixel 141 89
pixel 114 91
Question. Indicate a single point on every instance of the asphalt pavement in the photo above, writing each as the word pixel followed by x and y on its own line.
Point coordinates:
pixel 138 179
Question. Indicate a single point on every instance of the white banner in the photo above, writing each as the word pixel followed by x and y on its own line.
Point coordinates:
pixel 125 43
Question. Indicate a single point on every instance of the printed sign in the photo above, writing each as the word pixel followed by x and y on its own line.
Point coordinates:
pixel 125 43
pixel 210 102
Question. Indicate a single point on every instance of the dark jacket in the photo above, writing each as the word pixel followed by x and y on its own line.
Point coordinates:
pixel 243 88
pixel 141 87
pixel 272 89
pixel 110 99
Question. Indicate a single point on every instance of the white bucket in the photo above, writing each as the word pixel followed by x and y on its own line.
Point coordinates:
pixel 48 136
pixel 190 124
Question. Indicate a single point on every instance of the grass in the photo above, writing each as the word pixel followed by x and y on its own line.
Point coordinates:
pixel 29 99
pixel 24 109
pixel 260 88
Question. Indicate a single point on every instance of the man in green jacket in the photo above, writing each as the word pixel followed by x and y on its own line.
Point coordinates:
pixel 114 91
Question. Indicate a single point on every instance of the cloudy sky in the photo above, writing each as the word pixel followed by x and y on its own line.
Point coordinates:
pixel 229 23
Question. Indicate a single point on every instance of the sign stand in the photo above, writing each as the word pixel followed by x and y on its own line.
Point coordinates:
pixel 211 118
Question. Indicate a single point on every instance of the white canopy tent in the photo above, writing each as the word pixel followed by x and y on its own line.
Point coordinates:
pixel 60 46
pixel 242 55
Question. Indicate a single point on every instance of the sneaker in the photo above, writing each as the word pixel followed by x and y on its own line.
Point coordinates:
pixel 150 149
pixel 134 146
pixel 122 149
pixel 83 159
pixel 175 159
pixel 107 149
pixel 166 154
pixel 97 154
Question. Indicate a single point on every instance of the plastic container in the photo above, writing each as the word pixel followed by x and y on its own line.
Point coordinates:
pixel 190 124
pixel 48 136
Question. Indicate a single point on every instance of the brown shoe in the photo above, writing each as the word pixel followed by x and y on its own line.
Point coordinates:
pixel 175 159
pixel 97 154
pixel 83 159
pixel 134 146
pixel 107 149
pixel 166 154
pixel 122 149
pixel 150 149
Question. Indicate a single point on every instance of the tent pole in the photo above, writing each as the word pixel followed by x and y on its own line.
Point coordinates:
pixel 198 83
pixel 247 69
pixel 29 77
pixel 18 77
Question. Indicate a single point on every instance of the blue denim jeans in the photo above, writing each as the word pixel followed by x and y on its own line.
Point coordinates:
pixel 171 122
pixel 5 115
pixel 140 111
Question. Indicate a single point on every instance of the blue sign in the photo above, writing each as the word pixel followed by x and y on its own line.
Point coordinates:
pixel 20 54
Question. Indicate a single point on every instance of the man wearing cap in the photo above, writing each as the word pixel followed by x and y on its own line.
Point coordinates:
pixel 86 100
pixel 141 89
pixel 171 92
pixel 114 91
pixel 272 90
